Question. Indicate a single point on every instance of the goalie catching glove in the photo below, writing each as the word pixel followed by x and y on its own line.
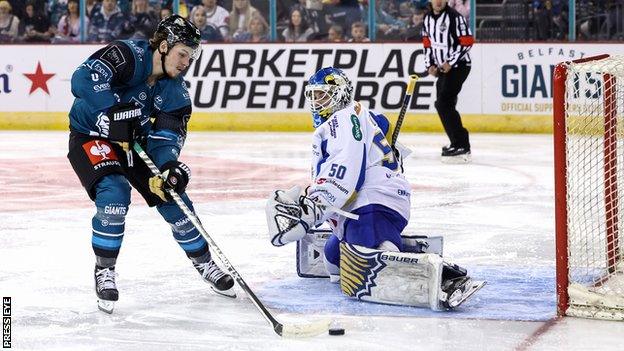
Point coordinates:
pixel 175 176
pixel 290 215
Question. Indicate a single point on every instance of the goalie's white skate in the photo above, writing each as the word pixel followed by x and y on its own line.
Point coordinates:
pixel 459 290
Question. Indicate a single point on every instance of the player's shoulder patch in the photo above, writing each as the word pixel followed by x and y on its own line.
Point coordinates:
pixel 113 56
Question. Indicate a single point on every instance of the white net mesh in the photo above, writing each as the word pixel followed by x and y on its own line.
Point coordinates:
pixel 594 108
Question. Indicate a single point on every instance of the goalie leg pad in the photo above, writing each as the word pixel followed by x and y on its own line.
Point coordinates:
pixel 396 278
pixel 422 244
pixel 311 255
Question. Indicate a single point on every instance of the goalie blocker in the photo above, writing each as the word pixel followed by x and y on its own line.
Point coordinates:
pixel 418 278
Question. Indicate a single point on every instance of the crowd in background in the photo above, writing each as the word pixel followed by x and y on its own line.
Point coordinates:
pixel 58 21
pixel 595 20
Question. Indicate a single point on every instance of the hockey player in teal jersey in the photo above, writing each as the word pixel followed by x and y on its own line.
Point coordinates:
pixel 127 92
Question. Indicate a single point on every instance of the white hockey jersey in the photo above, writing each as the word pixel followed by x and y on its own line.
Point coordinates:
pixel 353 166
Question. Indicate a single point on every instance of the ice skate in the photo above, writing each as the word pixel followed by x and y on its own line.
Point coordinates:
pixel 455 155
pixel 459 289
pixel 220 282
pixel 105 288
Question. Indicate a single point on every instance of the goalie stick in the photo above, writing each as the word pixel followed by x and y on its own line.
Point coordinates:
pixel 284 330
pixel 406 100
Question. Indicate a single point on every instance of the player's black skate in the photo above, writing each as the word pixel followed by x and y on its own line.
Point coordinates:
pixel 220 282
pixel 105 288
pixel 458 290
pixel 451 154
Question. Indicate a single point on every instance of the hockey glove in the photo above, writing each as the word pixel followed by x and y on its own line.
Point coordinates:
pixel 122 121
pixel 175 176
pixel 290 215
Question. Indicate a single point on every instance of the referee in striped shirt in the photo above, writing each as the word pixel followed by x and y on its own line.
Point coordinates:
pixel 447 41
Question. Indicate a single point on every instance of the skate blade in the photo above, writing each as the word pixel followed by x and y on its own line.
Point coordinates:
pixel 474 287
pixel 106 306
pixel 456 160
pixel 231 293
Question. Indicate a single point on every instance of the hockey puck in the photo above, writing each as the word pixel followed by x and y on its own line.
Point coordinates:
pixel 336 331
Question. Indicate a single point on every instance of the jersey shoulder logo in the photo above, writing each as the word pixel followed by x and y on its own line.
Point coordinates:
pixel 113 57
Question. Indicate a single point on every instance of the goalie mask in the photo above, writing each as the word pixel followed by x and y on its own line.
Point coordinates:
pixel 328 91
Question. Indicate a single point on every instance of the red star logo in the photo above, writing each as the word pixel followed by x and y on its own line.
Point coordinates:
pixel 39 79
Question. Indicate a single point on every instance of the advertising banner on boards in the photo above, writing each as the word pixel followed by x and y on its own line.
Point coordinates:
pixel 506 79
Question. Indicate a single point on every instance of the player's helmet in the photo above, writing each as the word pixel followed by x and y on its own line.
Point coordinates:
pixel 175 29
pixel 328 91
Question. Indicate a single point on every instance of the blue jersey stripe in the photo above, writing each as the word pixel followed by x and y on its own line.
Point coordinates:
pixel 325 156
pixel 193 246
pixel 362 175
pixel 106 243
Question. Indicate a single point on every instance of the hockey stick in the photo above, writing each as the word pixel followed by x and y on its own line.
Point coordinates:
pixel 406 101
pixel 285 330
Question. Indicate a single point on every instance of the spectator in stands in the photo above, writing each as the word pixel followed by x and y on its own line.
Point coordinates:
pixel 388 27
pixel 35 26
pixel 18 8
pixel 93 6
pixel 421 4
pixel 406 10
pixel 56 10
pixel 209 33
pixel 256 33
pixel 541 14
pixel 358 33
pixel 298 29
pixel 240 16
pixel 341 12
pixel 9 23
pixel 311 11
pixel 165 12
pixel 559 23
pixel 68 28
pixel 587 13
pixel 141 23
pixel 413 32
pixel 335 34
pixel 218 17
pixel 107 23
pixel 190 4
pixel 155 5
pixel 461 6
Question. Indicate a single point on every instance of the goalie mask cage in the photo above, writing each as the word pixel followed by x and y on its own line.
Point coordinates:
pixel 588 109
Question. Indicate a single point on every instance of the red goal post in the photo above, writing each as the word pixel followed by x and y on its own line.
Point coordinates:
pixel 588 111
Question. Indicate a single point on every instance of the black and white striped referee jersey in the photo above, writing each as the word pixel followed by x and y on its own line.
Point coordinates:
pixel 447 38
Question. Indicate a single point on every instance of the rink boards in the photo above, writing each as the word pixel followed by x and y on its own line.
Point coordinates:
pixel 260 87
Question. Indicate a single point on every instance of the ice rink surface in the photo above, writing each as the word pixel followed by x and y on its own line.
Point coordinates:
pixel 496 215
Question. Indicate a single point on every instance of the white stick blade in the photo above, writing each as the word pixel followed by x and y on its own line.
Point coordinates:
pixel 306 330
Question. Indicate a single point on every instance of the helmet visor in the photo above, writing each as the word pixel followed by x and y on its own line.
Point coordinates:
pixel 196 51
pixel 321 96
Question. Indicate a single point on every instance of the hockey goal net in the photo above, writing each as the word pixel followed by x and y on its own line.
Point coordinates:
pixel 588 109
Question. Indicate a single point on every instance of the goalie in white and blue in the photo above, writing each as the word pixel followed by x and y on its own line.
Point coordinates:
pixel 357 187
